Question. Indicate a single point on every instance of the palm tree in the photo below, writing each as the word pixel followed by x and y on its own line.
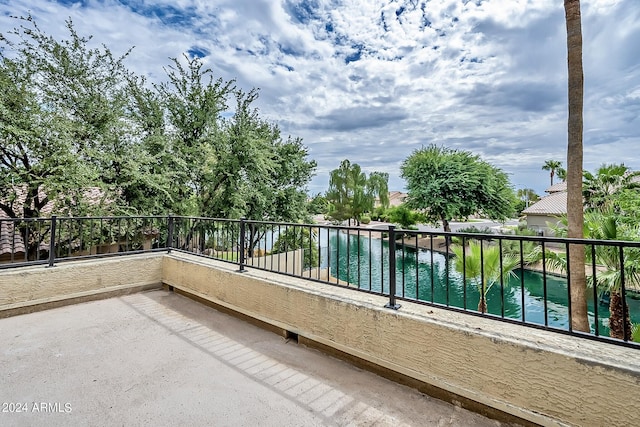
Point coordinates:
pixel 608 179
pixel 552 166
pixel 528 195
pixel 485 266
pixel 562 174
pixel 575 214
pixel 606 226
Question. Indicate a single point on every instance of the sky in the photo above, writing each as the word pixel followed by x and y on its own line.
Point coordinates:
pixel 373 80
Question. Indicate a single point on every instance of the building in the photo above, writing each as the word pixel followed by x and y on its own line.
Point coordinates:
pixel 544 214
pixel 396 198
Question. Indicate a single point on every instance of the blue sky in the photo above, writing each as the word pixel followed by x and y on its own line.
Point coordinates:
pixel 373 80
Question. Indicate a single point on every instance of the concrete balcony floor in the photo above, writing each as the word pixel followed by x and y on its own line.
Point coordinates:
pixel 158 358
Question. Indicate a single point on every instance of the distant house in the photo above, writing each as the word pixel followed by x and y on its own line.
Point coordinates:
pixel 396 198
pixel 546 212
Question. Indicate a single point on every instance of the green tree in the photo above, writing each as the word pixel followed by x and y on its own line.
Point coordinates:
pixel 403 216
pixel 155 194
pixel 378 186
pixel 626 205
pixel 575 214
pixel 351 193
pixel 73 117
pixel 86 134
pixel 318 205
pixel 62 115
pixel 447 184
pixel 484 265
pixel 299 237
pixel 606 227
pixel 230 167
pixel 552 166
pixel 598 189
pixel 526 197
pixel 193 103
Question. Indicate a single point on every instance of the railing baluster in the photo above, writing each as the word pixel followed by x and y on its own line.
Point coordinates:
pixel 596 301
pixel 242 245
pixel 52 241
pixel 626 333
pixel 392 270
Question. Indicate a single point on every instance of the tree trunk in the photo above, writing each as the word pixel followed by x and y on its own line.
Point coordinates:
pixel 445 225
pixel 482 304
pixel 575 213
pixel 619 321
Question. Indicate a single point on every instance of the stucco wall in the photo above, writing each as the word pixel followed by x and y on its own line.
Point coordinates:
pixel 32 286
pixel 538 376
pixel 291 262
pixel 542 222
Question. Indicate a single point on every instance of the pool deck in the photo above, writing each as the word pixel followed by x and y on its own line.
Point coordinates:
pixel 158 358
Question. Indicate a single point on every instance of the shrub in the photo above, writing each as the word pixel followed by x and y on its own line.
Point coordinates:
pixel 470 229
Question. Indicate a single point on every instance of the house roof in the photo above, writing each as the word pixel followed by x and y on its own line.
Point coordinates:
pixel 396 195
pixel 558 186
pixel 553 204
pixel 11 240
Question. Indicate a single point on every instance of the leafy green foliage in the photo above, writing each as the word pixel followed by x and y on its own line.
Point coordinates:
pixel 526 197
pixel 529 250
pixel 598 188
pixel 351 193
pixel 403 216
pixel 484 265
pixel 62 122
pixel 447 184
pixel 299 237
pixel 471 229
pixel 318 205
pixel 73 118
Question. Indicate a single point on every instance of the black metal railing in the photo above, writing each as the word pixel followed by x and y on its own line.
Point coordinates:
pixel 50 240
pixel 516 279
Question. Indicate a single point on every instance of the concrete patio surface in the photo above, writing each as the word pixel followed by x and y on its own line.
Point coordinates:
pixel 161 359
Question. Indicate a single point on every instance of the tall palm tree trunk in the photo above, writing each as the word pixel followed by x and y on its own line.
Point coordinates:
pixel 619 320
pixel 575 213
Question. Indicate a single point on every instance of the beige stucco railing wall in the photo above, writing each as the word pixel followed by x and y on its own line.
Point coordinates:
pixel 26 289
pixel 286 262
pixel 539 376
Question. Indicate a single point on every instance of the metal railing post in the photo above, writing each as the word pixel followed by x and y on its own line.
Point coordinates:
pixel 242 245
pixel 392 270
pixel 52 242
pixel 169 233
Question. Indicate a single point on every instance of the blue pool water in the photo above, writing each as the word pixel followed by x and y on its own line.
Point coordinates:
pixel 428 276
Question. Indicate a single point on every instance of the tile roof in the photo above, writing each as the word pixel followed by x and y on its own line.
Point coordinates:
pixel 553 204
pixel 558 186
pixel 11 240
